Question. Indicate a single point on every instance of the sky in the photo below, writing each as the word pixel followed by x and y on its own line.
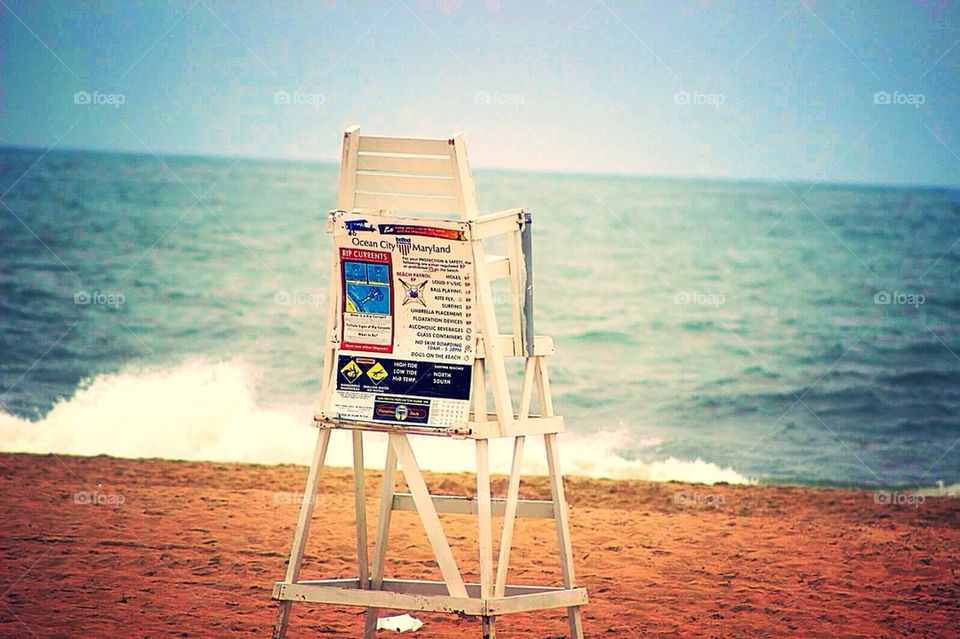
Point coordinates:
pixel 839 91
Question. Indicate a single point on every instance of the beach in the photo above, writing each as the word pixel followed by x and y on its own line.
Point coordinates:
pixel 103 547
pixel 701 264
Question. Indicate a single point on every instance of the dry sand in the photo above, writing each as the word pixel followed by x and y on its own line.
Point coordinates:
pixel 194 548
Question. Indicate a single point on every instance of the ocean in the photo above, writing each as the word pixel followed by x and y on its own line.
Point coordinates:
pixel 705 330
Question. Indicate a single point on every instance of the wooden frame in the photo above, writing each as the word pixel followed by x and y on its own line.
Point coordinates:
pixel 415 176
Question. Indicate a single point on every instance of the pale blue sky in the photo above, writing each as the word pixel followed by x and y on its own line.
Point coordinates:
pixel 768 90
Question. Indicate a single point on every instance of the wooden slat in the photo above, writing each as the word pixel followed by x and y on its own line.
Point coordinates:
pixel 360 506
pixel 539 424
pixel 464 179
pixel 544 395
pixel 412 203
pixel 382 537
pixel 428 596
pixel 562 518
pixel 303 526
pixel 417 146
pixel 570 598
pixel 542 346
pixel 410 185
pixel 487 327
pixel 418 587
pixel 289 592
pixel 453 505
pixel 422 587
pixel 484 515
pixel 383 516
pixel 348 167
pixel 309 500
pixel 510 518
pixel 526 387
pixel 515 214
pixel 498 267
pixel 459 429
pixel 406 164
pixel 479 390
pixel 332 339
pixel 534 425
pixel 498 223
pixel 428 515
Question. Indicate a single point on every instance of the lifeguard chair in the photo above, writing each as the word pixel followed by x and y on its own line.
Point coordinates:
pixel 422 365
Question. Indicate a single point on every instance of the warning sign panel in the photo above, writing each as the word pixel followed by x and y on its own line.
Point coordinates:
pixel 406 322
pixel 377 373
pixel 351 371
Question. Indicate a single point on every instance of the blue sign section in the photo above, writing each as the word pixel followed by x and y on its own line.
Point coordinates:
pixel 403 377
pixel 355 271
pixel 366 298
pixel 378 273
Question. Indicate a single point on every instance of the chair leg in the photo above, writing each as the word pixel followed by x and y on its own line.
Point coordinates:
pixel 360 506
pixel 303 528
pixel 509 518
pixel 489 627
pixel 485 532
pixel 380 543
pixel 561 517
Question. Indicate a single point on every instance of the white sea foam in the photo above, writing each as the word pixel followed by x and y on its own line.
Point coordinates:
pixel 209 411
pixel 940 490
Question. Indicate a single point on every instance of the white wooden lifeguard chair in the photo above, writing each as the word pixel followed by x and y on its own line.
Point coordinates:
pixel 386 370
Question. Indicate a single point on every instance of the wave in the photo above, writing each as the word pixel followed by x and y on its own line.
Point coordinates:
pixel 604 336
pixel 195 411
pixel 206 411
pixel 924 428
pixel 908 347
pixel 921 377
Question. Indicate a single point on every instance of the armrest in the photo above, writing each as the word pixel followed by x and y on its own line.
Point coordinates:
pixel 499 223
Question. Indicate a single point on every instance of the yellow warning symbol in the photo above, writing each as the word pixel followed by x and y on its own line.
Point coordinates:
pixel 351 371
pixel 377 373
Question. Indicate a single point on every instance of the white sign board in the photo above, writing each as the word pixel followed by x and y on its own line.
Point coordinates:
pixel 406 320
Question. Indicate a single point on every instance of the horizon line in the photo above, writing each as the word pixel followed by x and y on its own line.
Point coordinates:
pixel 553 172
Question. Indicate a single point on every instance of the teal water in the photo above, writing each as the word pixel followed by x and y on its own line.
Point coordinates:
pixel 740 324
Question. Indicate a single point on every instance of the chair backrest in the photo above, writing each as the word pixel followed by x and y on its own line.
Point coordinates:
pixel 406 175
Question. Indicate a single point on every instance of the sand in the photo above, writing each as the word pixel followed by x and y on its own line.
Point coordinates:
pixel 177 549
